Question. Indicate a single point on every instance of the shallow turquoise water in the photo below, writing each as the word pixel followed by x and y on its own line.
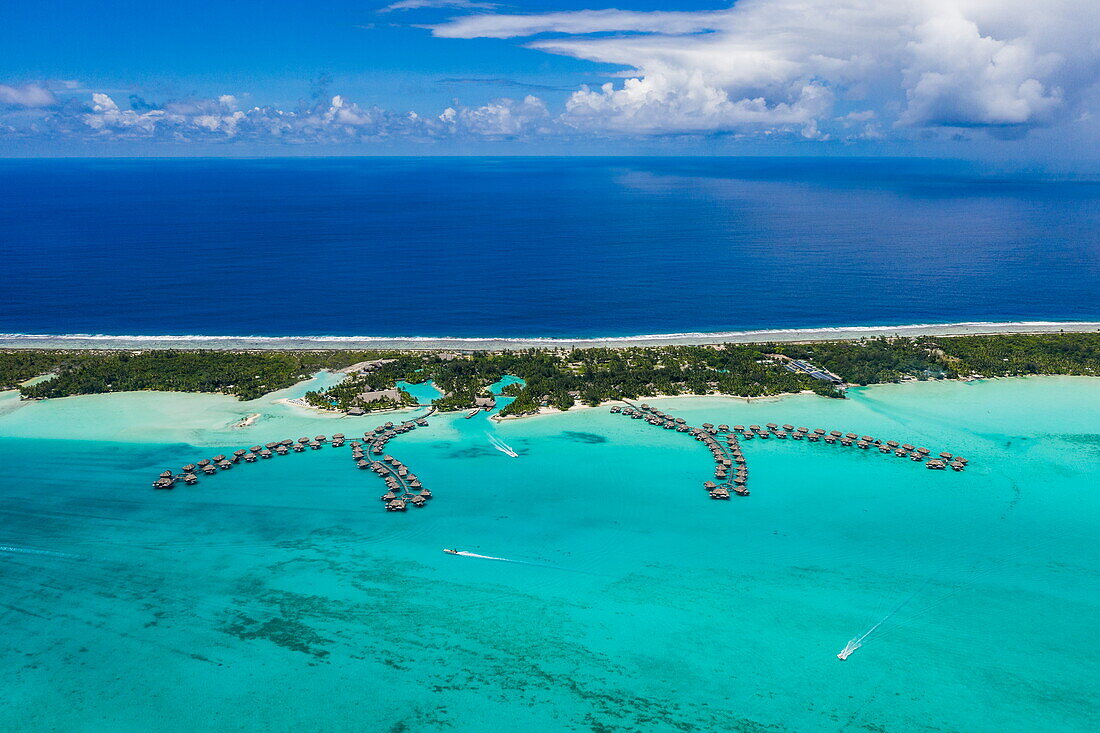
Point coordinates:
pixel 279 595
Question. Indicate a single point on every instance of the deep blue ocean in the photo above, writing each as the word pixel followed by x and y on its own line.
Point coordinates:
pixel 535 247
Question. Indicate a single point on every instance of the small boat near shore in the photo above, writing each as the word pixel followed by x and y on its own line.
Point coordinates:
pixel 472 412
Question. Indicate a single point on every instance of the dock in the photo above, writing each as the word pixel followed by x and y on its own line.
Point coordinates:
pixel 404 488
pixel 731 472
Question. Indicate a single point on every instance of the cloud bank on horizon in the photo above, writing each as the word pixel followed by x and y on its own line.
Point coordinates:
pixel 773 69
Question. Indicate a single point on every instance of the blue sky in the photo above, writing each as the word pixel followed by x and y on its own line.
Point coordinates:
pixel 970 78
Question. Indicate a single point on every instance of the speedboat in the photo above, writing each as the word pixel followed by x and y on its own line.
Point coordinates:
pixel 450 552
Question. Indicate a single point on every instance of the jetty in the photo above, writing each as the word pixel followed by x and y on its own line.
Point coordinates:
pixel 404 488
pixel 731 474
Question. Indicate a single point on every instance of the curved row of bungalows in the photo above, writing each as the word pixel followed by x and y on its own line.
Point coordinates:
pixel 725 458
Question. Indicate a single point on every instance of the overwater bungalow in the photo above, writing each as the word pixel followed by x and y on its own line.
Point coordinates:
pixel 868 439
pixel 923 451
pixel 935 465
pixel 813 437
pixel 361 464
pixel 265 453
pixel 225 465
pixel 945 456
pixel 740 491
pixel 723 428
pixel 162 483
pixel 709 485
pixel 797 435
pixel 835 433
pixel 426 493
pixel 788 428
pixel 739 428
pixel 418 501
pixel 819 431
pixel 960 459
pixel 915 456
pixel 166 474
pixel 303 441
pixel 271 445
pixel 771 426
pixel 281 450
pixel 722 494
pixel 397 505
pixel 781 434
pixel 250 457
pixel 909 447
pixel 892 443
pixel 209 470
pixel 883 448
pixel 754 428
pixel 315 445
pixel 863 445
pixel 830 439
pixel 850 436
pixel 237 454
pixel 803 430
pixel 190 478
pixel 901 453
pixel 388 496
pixel 218 458
pixel 957 465
pixel 299 447
pixel 616 408
pixel 189 468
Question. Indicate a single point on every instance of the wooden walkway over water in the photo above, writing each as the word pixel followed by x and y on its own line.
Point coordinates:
pixel 403 486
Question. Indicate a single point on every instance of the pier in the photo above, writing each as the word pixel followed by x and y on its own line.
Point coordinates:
pixel 731 472
pixel 403 486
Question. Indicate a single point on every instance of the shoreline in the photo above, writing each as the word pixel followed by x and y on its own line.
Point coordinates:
pixel 545 410
pixel 430 343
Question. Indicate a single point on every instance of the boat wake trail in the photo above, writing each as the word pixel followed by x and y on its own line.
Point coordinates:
pixel 34 551
pixel 548 566
pixel 857 642
pixel 503 447
pixel 463 553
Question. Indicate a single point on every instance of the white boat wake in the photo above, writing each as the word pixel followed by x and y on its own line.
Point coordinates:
pixel 857 642
pixel 463 553
pixel 33 551
pixel 501 446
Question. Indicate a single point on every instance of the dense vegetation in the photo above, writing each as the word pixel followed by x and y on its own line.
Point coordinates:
pixel 557 378
pixel 245 374
pixel 872 361
pixel 561 378
pixel 19 366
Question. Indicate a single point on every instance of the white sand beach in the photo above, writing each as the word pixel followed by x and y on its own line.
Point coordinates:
pixel 431 343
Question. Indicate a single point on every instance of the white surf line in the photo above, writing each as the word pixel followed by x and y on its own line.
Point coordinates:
pixel 34 551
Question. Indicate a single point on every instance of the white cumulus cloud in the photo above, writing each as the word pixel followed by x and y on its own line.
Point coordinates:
pixel 26 95
pixel 772 65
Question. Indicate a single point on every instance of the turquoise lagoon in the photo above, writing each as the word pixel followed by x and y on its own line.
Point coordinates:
pixel 280 596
